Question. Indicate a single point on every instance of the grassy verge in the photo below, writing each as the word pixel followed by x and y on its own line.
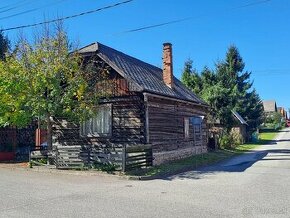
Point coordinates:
pixel 183 164
pixel 201 159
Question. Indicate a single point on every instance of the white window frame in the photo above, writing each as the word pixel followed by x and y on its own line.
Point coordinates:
pixel 89 128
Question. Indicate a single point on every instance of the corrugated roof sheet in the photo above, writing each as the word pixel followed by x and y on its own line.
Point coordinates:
pixel 238 116
pixel 145 76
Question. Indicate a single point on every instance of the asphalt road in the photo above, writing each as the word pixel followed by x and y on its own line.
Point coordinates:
pixel 251 185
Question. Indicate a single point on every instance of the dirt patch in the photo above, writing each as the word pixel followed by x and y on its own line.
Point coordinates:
pixel 14 165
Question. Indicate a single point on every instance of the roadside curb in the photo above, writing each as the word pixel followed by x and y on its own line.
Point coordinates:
pixel 52 170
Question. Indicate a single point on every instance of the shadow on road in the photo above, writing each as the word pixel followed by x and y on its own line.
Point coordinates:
pixel 236 164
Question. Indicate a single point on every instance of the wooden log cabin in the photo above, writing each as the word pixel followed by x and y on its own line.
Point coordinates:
pixel 147 106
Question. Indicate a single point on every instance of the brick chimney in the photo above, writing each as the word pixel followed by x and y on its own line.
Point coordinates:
pixel 167 65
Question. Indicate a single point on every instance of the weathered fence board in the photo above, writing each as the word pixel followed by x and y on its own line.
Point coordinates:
pixel 68 157
pixel 137 157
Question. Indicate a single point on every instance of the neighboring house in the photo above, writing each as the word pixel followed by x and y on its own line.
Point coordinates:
pixel 146 106
pixel 270 106
pixel 283 112
pixel 272 121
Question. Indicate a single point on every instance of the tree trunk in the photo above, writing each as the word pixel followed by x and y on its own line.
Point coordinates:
pixel 49 133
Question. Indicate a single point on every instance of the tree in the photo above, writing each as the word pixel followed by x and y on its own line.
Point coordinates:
pixel 4 45
pixel 13 86
pixel 273 118
pixel 242 98
pixel 254 115
pixel 44 80
pixel 225 89
pixel 191 78
pixel 217 98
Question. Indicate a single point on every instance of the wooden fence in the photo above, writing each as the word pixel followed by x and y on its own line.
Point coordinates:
pixel 137 157
pixel 68 157
pixel 126 159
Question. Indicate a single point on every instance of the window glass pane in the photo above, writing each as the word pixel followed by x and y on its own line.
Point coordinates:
pixel 186 127
pixel 89 126
pixel 100 124
pixel 103 122
pixel 107 121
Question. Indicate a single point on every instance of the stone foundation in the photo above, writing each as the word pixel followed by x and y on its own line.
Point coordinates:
pixel 167 156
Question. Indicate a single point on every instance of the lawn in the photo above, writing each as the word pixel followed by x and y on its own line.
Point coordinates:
pixel 195 161
pixel 267 136
pixel 264 138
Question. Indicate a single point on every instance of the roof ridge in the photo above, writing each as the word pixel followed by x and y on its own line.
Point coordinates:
pixel 151 65
pixel 93 43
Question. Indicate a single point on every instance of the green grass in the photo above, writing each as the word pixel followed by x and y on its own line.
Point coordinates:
pixel 267 136
pixel 264 138
pixel 201 159
pixel 184 164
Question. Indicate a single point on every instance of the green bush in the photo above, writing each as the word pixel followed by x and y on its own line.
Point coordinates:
pixel 225 140
pixel 230 140
pixel 107 167
pixel 37 162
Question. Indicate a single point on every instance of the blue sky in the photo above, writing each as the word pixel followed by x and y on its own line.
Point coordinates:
pixel 260 31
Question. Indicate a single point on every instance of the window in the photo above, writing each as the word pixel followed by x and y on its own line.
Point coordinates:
pixel 100 125
pixel 197 129
pixel 186 128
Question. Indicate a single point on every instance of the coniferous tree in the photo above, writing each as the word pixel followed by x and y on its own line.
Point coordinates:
pixel 254 113
pixel 191 78
pixel 4 45
pixel 225 89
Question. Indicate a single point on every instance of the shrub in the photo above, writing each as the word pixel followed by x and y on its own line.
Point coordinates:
pixel 107 167
pixel 225 140
pixel 230 140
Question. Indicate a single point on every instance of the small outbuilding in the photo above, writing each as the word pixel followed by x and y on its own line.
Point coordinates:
pixel 240 128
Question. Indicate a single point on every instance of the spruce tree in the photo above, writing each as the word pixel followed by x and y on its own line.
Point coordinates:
pixel 191 78
pixel 4 45
pixel 225 89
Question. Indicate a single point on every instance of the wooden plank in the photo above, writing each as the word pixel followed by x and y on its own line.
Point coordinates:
pixel 138 148
pixel 135 159
pixel 137 165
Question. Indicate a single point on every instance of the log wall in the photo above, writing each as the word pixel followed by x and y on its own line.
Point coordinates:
pixel 135 122
pixel 127 130
pixel 166 129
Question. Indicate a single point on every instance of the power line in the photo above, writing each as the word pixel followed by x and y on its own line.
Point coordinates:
pixel 253 3
pixel 11 5
pixel 30 10
pixel 186 19
pixel 154 26
pixel 14 7
pixel 68 17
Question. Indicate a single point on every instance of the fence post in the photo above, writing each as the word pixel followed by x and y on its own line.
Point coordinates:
pixel 29 157
pixel 150 157
pixel 56 158
pixel 89 157
pixel 124 157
